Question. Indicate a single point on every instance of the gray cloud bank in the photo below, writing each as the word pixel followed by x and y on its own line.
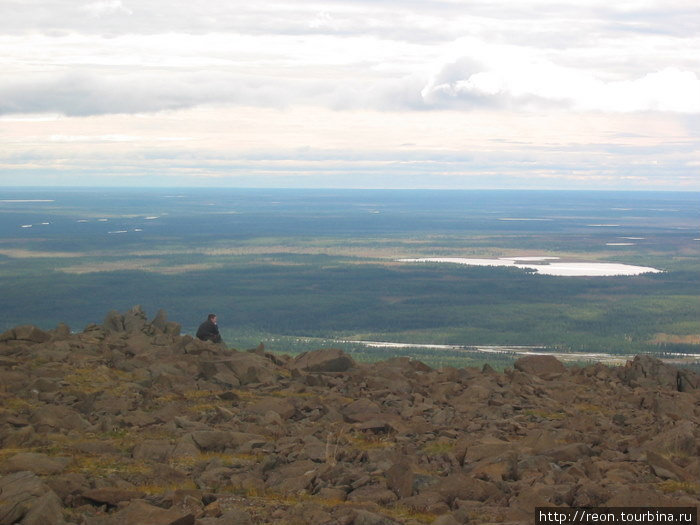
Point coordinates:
pixel 458 86
pixel 85 93
pixel 413 20
pixel 382 55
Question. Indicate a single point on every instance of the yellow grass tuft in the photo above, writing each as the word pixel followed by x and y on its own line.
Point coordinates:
pixel 591 408
pixel 545 414
pixel 437 448
pixel 105 466
pixel 227 460
pixel 689 487
pixel 155 489
pixel 367 441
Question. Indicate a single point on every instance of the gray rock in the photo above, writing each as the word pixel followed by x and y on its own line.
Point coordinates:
pixel 666 469
pixel 39 464
pixel 373 494
pixel 153 450
pixel 647 370
pixel 460 486
pixel 111 496
pixel 25 498
pixel 400 478
pixel 160 321
pixel 569 453
pixel 135 320
pixel 281 406
pixel 251 368
pixel 47 418
pixel 26 334
pixel 113 322
pixel 365 517
pixel 219 440
pixel 447 519
pixel 139 512
pixel 325 360
pixel 539 365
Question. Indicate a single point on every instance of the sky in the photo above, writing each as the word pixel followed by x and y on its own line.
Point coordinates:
pixel 472 94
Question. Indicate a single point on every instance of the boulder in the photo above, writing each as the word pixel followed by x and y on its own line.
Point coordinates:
pixel 365 517
pixel 460 486
pixel 447 519
pixel 61 332
pixel 219 440
pixel 373 494
pixel 8 335
pixel 644 369
pixel 113 322
pixel 361 410
pixel 688 381
pixel 153 450
pixel 324 360
pixel 47 418
pixel 571 452
pixel 292 478
pixel 161 324
pixel 281 406
pixel 25 498
pixel 111 496
pixel 539 365
pixel 679 439
pixel 31 334
pixel 400 478
pixel 666 469
pixel 138 512
pixel 248 368
pixel 39 464
pixel 135 320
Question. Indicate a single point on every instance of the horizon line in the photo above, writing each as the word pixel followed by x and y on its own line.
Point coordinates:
pixel 343 188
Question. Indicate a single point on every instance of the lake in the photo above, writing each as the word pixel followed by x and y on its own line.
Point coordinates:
pixel 567 269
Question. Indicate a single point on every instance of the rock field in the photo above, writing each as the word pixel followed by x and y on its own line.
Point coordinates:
pixel 131 423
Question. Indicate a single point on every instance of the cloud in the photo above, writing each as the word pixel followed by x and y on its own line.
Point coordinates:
pixel 410 89
pixel 540 85
pixel 463 85
pixel 119 56
pixel 86 93
pixel 106 7
pixel 145 90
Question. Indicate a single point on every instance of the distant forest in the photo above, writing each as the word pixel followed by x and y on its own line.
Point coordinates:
pixel 283 268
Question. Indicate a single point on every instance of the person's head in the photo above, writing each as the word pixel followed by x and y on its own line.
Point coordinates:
pixel 212 318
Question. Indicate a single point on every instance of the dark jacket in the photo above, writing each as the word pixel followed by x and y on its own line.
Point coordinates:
pixel 208 331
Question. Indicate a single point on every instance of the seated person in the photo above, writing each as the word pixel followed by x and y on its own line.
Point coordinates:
pixel 209 330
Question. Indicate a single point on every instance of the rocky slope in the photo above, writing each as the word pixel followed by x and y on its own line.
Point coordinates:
pixel 131 423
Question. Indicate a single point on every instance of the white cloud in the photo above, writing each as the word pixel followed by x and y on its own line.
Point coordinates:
pixel 540 85
pixel 542 89
pixel 106 7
